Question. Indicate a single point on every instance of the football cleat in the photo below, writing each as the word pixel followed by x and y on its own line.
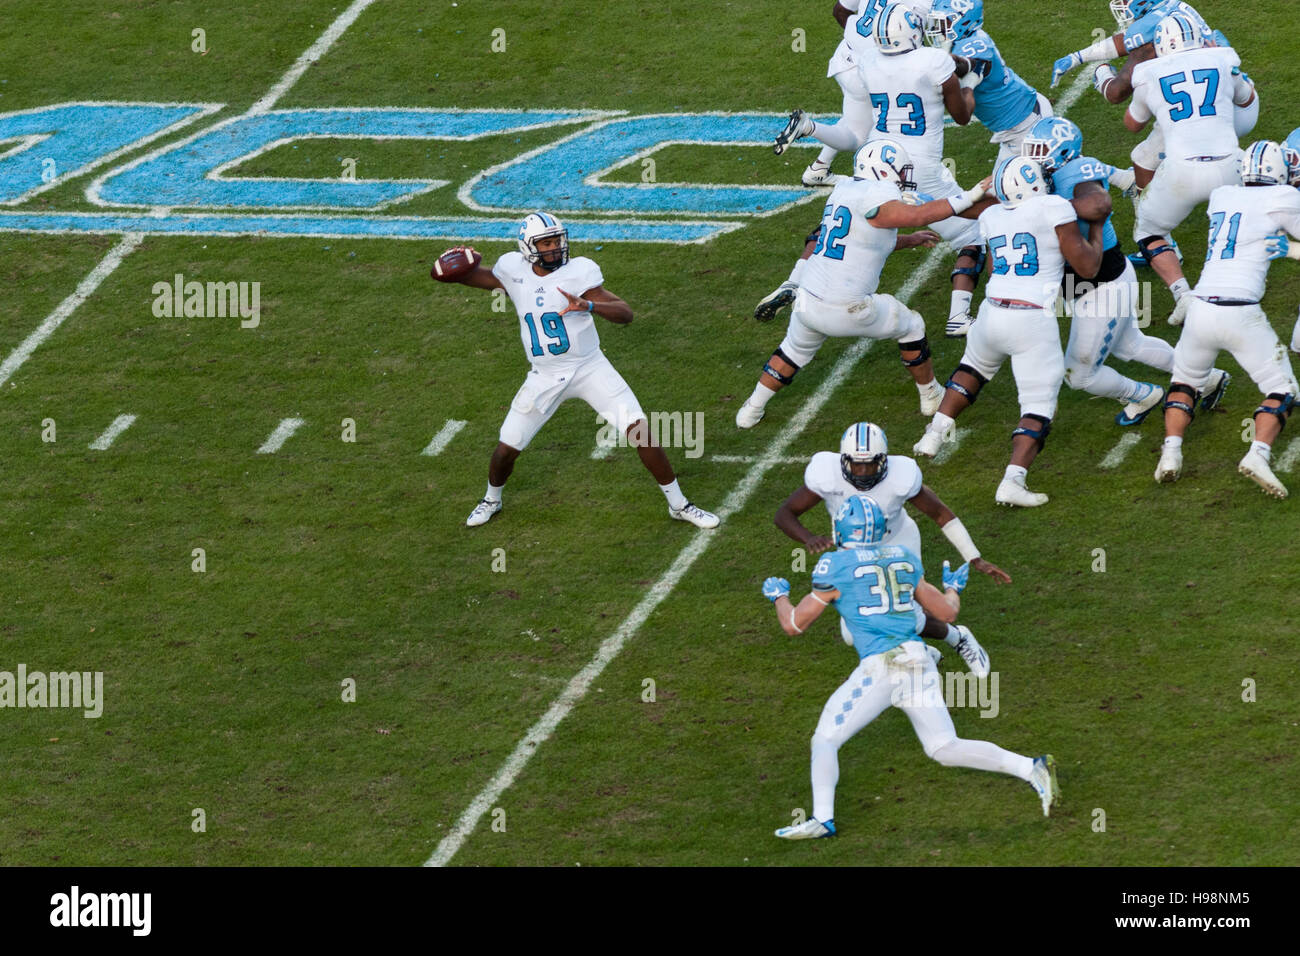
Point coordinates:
pixel 958 325
pixel 1135 413
pixel 800 125
pixel 1177 316
pixel 931 398
pixel 696 516
pixel 930 441
pixel 775 301
pixel 747 416
pixel 1214 394
pixel 1257 469
pixel 976 658
pixel 1171 464
pixel 808 830
pixel 1015 495
pixel 483 512
pixel 816 175
pixel 1043 779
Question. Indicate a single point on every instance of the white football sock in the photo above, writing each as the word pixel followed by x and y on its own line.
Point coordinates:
pixel 1265 450
pixel 982 755
pixel 960 303
pixel 954 636
pixel 493 492
pixel 940 422
pixel 676 500
pixel 1173 441
pixel 826 156
pixel 825 775
pixel 762 395
pixel 923 388
pixel 1015 473
pixel 1180 289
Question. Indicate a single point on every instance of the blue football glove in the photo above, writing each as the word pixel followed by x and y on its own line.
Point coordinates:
pixel 1064 65
pixel 1279 246
pixel 774 588
pixel 957 580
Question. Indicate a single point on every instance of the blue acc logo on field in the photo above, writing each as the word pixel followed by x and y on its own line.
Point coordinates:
pixel 199 174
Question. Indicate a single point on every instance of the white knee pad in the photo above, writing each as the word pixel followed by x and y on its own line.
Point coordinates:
pixel 1148 153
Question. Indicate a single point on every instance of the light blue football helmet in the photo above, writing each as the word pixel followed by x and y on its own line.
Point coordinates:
pixel 953 20
pixel 1127 12
pixel 1292 146
pixel 1053 142
pixel 859 523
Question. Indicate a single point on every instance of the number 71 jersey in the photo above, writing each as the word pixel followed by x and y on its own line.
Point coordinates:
pixel 551 337
pixel 877 594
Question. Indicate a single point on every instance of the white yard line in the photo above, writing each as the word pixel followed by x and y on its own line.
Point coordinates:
pixel 85 289
pixel 577 688
pixel 1290 456
pixel 444 437
pixel 281 434
pixel 948 448
pixel 602 451
pixel 750 459
pixel 119 425
pixel 1115 457
pixel 131 241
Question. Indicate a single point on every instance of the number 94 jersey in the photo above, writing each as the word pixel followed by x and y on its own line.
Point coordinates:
pixel 551 337
pixel 877 588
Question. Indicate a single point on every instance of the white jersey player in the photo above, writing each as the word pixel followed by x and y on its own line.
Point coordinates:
pixel 1189 89
pixel 910 86
pixel 1225 313
pixel 838 294
pixel 864 464
pixel 1031 236
pixel 559 336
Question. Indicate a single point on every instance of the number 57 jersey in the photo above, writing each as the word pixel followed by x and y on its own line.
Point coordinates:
pixel 877 588
pixel 552 338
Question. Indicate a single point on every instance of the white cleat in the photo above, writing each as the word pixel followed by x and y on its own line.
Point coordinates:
pixel 747 416
pixel 930 442
pixel 1177 316
pixel 1043 779
pixel 1171 464
pixel 1254 467
pixel 483 512
pixel 800 125
pixel 816 175
pixel 1015 495
pixel 958 325
pixel 931 398
pixel 775 301
pixel 808 830
pixel 696 516
pixel 976 658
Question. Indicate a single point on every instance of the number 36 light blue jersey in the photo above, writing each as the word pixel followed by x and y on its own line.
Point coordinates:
pixel 1003 99
pixel 877 588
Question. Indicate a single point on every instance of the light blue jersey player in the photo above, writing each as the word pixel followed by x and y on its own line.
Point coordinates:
pixel 1004 102
pixel 1103 308
pixel 874 587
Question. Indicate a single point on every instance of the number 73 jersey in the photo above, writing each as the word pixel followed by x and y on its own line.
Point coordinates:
pixel 877 594
pixel 551 337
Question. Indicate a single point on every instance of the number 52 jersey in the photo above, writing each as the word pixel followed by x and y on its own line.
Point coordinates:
pixel 551 339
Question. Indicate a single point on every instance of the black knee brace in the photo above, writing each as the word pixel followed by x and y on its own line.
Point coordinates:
pixel 922 345
pixel 1188 407
pixel 1037 434
pixel 971 252
pixel 780 376
pixel 1160 243
pixel 961 389
pixel 1283 411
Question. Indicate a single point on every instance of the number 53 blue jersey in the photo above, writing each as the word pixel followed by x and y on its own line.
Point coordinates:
pixel 877 588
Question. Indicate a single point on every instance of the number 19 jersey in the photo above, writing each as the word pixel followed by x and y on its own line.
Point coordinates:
pixel 551 337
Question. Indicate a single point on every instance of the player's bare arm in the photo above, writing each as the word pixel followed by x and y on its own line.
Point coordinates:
pixel 1133 124
pixel 1092 202
pixel 930 505
pixel 841 14
pixel 911 240
pixel 787 519
pixel 1083 255
pixel 896 214
pixel 599 301
pixel 941 605
pixel 797 619
pixel 959 105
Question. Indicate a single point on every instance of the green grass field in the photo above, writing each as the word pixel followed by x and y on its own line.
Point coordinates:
pixel 331 560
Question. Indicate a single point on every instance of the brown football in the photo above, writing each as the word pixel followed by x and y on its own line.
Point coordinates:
pixel 454 264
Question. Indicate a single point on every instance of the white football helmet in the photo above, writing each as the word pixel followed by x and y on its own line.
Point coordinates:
pixel 1176 33
pixel 864 442
pixel 1264 164
pixel 1017 179
pixel 885 160
pixel 898 30
pixel 541 225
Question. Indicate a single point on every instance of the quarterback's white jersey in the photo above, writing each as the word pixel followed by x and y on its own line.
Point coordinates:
pixel 850 253
pixel 906 93
pixel 551 339
pixel 1192 96
pixel 1242 218
pixel 1024 251
pixel 902 481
